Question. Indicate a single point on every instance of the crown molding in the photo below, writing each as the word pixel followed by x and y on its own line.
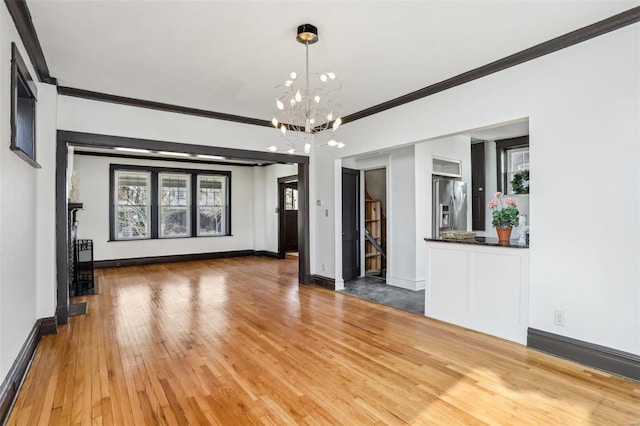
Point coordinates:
pixel 613 23
pixel 122 100
pixel 24 24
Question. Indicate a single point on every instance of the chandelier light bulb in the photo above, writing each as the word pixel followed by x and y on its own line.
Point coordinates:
pixel 332 143
pixel 291 151
pixel 298 96
pixel 293 102
pixel 293 75
pixel 273 148
pixel 283 129
pixel 331 75
pixel 337 123
pixel 312 121
pixel 307 148
pixel 317 99
pixel 274 121
pixel 288 83
pixel 323 78
pixel 340 145
pixel 279 104
pixel 330 116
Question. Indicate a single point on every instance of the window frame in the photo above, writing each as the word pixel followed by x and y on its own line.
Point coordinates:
pixel 114 188
pixel 193 206
pixel 23 109
pixel 502 148
pixel 226 214
pixel 188 206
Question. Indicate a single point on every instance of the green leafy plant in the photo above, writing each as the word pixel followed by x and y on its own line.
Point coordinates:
pixel 520 182
pixel 505 212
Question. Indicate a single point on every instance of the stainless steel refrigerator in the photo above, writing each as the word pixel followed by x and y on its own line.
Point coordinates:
pixel 449 205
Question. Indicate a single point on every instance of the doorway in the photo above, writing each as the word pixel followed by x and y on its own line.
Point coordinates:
pixel 288 220
pixel 375 222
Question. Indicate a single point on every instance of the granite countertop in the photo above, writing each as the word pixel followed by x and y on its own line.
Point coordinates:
pixel 481 241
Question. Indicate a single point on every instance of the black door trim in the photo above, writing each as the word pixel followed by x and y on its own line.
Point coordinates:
pixel 68 138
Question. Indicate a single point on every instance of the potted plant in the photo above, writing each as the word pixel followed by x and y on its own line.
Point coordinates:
pixel 505 215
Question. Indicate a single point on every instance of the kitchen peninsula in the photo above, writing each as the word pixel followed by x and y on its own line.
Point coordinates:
pixel 479 284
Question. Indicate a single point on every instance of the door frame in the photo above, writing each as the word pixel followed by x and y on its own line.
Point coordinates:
pixel 65 138
pixel 387 214
pixel 281 222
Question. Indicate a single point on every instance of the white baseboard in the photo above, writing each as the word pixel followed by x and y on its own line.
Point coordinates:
pixel 408 284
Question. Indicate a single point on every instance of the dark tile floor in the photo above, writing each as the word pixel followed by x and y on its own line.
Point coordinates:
pixel 374 289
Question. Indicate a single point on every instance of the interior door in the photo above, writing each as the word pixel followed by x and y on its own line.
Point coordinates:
pixel 478 200
pixel 291 216
pixel 350 224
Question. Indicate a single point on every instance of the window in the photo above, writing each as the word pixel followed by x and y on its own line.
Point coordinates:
pixel 174 205
pixel 512 156
pixel 517 161
pixel 212 199
pixel 152 202
pixel 290 199
pixel 23 109
pixel 132 205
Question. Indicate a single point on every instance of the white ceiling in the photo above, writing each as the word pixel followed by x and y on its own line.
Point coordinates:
pixel 227 56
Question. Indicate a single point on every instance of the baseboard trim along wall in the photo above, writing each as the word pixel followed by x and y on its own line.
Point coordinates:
pixel 267 253
pixel 12 383
pixel 137 261
pixel 611 360
pixel 323 281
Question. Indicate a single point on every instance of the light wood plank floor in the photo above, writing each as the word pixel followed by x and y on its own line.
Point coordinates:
pixel 237 341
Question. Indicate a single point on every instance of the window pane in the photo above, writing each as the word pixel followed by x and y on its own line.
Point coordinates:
pixel 174 190
pixel 132 222
pixel 133 188
pixel 132 205
pixel 174 205
pixel 290 199
pixel 212 200
pixel 210 221
pixel 174 222
pixel 517 160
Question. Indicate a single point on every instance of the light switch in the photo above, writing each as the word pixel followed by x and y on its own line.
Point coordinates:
pixel 318 202
pixel 326 212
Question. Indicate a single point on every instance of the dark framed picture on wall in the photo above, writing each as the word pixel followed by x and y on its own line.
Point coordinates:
pixel 23 109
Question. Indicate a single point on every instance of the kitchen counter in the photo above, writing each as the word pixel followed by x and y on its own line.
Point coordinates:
pixel 479 284
pixel 481 241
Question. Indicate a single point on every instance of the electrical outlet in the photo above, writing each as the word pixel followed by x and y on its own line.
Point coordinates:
pixel 326 212
pixel 559 318
pixel 324 267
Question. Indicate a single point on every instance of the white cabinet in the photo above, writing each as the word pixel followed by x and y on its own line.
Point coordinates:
pixel 482 288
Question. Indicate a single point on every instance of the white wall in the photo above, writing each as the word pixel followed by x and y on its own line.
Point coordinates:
pixel 583 109
pixel 27 271
pixel 270 190
pixel 93 221
pixel 452 148
pixel 82 115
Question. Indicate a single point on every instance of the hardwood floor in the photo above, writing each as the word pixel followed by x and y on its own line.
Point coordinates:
pixel 237 341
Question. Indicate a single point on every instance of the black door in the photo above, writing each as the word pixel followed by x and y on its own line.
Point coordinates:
pixel 291 216
pixel 350 224
pixel 478 199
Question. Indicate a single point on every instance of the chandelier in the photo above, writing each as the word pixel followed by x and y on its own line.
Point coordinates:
pixel 307 106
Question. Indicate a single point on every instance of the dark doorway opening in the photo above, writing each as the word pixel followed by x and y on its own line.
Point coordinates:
pixel 288 215
pixel 478 199
pixel 350 224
